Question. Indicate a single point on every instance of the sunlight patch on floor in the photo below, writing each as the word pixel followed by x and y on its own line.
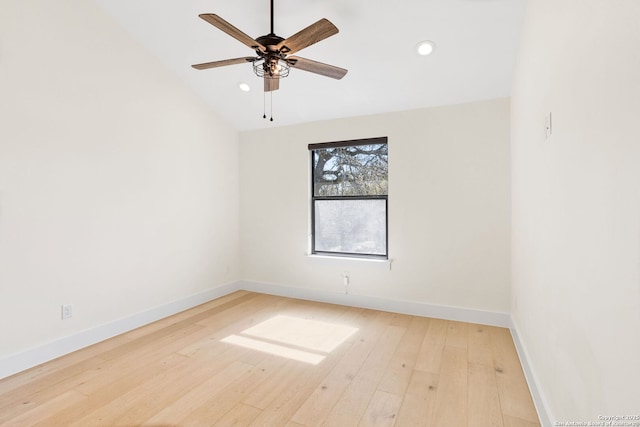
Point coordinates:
pixel 305 340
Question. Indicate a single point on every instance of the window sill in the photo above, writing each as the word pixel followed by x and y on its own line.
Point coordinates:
pixel 346 260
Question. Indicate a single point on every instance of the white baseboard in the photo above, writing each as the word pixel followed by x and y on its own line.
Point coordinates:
pixel 21 361
pixel 539 400
pixel 384 304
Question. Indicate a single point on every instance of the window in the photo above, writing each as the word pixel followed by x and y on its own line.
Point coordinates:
pixel 349 198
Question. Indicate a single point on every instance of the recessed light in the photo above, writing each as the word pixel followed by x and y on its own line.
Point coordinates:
pixel 244 87
pixel 425 47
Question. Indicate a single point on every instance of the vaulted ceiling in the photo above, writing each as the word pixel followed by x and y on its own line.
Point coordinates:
pixel 476 44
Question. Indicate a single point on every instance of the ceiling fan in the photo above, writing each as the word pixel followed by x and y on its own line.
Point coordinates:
pixel 273 61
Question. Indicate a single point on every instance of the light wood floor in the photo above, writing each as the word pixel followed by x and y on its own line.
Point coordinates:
pixel 198 368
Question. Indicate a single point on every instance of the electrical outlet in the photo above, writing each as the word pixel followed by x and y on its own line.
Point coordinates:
pixel 67 311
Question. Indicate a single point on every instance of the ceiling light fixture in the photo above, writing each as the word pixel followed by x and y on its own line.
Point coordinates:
pixel 271 68
pixel 425 47
pixel 244 87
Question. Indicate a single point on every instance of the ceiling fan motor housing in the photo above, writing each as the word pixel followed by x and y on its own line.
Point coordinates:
pixel 270 63
pixel 270 41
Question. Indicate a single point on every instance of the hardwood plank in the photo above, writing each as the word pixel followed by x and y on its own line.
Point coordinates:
pixel 517 422
pixel 280 382
pixel 451 397
pixel 432 347
pixel 41 412
pixel 355 399
pixel 484 401
pixel 123 374
pixel 419 400
pixel 95 374
pixel 279 392
pixel 287 403
pixel 284 405
pixel 113 388
pixel 237 310
pixel 117 371
pixel 239 415
pixel 41 374
pixel 402 320
pixel 515 398
pixel 317 406
pixel 404 359
pixel 175 411
pixel 457 334
pixel 218 404
pixel 382 410
pixel 133 406
pixel 153 342
pixel 480 350
pixel 187 315
pixel 222 326
pixel 33 392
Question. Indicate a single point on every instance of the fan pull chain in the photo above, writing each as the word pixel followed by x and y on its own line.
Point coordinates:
pixel 264 105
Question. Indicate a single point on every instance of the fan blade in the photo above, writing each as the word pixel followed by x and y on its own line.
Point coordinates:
pixel 223 25
pixel 317 67
pixel 271 84
pixel 224 62
pixel 310 35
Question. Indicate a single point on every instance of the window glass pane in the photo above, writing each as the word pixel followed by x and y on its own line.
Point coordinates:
pixel 359 170
pixel 351 226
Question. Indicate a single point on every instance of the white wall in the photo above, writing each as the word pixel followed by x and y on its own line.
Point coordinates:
pixel 576 205
pixel 448 207
pixel 118 187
